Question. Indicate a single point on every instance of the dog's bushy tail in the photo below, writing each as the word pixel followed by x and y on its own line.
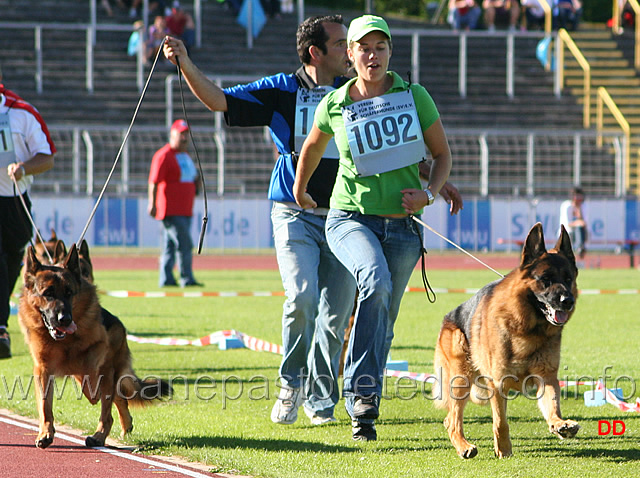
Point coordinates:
pixel 452 364
pixel 140 393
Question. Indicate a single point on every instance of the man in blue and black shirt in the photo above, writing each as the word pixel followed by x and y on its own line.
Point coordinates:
pixel 319 290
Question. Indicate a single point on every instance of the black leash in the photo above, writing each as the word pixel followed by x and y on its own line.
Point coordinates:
pixel 431 295
pixel 18 195
pixel 205 218
pixel 124 141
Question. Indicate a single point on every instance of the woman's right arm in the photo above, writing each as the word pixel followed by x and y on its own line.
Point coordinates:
pixel 310 156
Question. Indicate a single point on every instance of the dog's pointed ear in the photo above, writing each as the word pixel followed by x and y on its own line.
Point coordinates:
pixel 533 246
pixel 84 250
pixel 72 263
pixel 59 251
pixel 33 264
pixel 53 237
pixel 31 267
pixel 564 246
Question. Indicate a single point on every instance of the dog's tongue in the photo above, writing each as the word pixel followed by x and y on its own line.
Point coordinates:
pixel 71 328
pixel 561 317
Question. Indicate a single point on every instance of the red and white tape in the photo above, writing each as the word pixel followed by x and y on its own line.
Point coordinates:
pixel 159 294
pixel 249 342
pixel 611 398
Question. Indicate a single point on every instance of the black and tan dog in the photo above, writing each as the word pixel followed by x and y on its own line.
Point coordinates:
pixel 507 337
pixel 51 251
pixel 54 251
pixel 70 334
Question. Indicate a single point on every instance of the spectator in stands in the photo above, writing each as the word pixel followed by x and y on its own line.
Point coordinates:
pixel 287 6
pixel 233 5
pixel 628 15
pixel 136 39
pixel 573 218
pixel 180 24
pixel 319 290
pixel 466 14
pixel 157 33
pixel 369 226
pixel 533 14
pixel 501 10
pixel 173 184
pixel 28 150
pixel 106 6
pixel 567 14
pixel 156 7
pixel 271 8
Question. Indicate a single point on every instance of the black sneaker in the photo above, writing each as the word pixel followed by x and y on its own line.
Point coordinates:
pixel 5 344
pixel 363 431
pixel 193 284
pixel 366 407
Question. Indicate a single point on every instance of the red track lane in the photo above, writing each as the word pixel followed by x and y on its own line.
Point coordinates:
pixel 67 457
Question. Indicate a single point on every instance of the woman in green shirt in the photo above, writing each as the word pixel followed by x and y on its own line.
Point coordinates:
pixel 382 127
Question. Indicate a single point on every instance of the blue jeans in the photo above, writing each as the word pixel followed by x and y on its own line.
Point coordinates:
pixel 468 20
pixel 381 254
pixel 176 244
pixel 319 300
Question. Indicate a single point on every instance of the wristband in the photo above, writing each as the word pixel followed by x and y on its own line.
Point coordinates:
pixel 24 173
pixel 430 197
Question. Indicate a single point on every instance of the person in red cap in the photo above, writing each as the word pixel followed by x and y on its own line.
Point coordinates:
pixel 173 185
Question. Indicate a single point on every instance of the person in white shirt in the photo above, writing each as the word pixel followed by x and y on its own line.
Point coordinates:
pixel 26 149
pixel 573 218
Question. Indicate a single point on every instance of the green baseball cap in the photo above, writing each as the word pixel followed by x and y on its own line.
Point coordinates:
pixel 360 26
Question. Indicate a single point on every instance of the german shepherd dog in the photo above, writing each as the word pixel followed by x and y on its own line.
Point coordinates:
pixel 507 337
pixel 51 251
pixel 54 251
pixel 70 334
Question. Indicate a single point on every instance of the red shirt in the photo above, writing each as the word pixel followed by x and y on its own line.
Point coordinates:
pixel 176 183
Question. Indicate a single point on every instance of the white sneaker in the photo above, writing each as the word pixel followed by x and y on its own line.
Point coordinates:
pixel 317 419
pixel 285 410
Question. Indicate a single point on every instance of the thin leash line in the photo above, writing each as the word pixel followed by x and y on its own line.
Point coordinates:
pixel 33 224
pixel 124 141
pixel 422 223
pixel 205 218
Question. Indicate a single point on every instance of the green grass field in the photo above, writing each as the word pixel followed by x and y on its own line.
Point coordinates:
pixel 219 414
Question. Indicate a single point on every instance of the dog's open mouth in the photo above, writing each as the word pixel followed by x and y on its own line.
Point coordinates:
pixel 60 332
pixel 556 317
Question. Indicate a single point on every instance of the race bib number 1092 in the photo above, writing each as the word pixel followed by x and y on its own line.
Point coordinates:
pixel 384 133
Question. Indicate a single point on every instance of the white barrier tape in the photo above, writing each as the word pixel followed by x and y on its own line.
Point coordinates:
pixel 611 398
pixel 121 294
pixel 249 342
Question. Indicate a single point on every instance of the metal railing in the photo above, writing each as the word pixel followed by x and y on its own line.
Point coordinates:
pixel 521 163
pixel 90 30
pixel 509 37
pixel 563 39
pixel 603 98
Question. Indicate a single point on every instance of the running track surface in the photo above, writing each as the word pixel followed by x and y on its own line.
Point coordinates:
pixel 67 457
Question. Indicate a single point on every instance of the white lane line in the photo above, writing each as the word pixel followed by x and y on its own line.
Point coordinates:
pixel 127 456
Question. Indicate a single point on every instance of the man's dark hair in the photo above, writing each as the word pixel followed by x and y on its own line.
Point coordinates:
pixel 311 33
